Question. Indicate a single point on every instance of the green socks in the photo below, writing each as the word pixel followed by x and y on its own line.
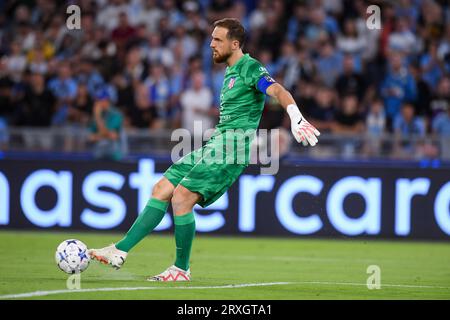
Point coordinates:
pixel 149 218
pixel 184 235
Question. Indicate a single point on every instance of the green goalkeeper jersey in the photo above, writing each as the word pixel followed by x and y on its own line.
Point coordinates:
pixel 241 103
pixel 212 169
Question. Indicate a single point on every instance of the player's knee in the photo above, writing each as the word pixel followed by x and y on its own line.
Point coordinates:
pixel 182 200
pixel 163 190
pixel 178 197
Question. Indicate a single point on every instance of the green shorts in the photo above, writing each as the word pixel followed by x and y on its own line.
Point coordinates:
pixel 210 180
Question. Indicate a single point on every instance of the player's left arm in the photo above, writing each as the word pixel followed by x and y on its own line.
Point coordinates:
pixel 302 130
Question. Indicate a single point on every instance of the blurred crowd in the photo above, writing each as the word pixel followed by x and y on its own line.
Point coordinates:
pixel 151 60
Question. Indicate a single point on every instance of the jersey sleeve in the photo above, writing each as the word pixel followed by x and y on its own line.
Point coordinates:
pixel 257 77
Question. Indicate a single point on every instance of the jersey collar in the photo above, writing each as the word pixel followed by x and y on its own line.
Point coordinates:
pixel 240 61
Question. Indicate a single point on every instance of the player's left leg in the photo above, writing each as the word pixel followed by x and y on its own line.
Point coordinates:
pixel 116 254
pixel 150 217
pixel 183 201
pixel 152 214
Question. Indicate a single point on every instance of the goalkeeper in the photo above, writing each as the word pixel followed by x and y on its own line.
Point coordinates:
pixel 195 180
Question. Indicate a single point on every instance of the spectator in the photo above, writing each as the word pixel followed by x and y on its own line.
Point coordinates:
pixel 107 62
pixel 350 82
pixel 124 30
pixel 375 127
pixel 403 39
pixel 441 123
pixel 441 99
pixel 271 36
pixel 219 9
pixel 304 95
pixel 164 29
pixel 25 35
pixel 406 124
pixel 174 15
pixel 431 66
pixel 273 115
pixel 431 20
pixel 329 63
pixel 64 88
pixel 422 103
pixel 188 43
pixel 287 55
pixel 408 129
pixel 108 16
pixel 288 66
pixel 81 111
pixel 150 15
pixel 347 118
pixel 441 128
pixel 35 110
pixel 323 110
pixel 39 64
pixel 298 22
pixel 123 34
pixel 409 10
pixel 67 48
pixel 196 103
pixel 257 18
pixel 351 41
pixel 42 45
pixel 398 86
pixel 348 121
pixel 444 48
pixel 135 69
pixel 38 104
pixel 16 62
pixel 239 11
pixel 388 23
pixel 376 118
pixel 320 24
pixel 142 113
pixel 156 53
pixel 106 129
pixel 160 96
pixel 87 74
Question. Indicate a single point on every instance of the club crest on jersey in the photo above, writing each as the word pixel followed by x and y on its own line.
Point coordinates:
pixel 231 83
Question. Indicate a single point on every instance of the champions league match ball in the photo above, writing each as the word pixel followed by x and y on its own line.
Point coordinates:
pixel 71 256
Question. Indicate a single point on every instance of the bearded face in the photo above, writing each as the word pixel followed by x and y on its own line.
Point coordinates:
pixel 221 57
pixel 220 45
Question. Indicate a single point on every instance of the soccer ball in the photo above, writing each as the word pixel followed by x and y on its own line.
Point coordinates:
pixel 71 256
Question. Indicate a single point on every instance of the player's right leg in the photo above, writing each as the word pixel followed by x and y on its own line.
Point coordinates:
pixel 146 222
pixel 183 202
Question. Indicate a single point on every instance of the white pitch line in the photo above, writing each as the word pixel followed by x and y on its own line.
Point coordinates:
pixel 230 286
pixel 382 285
pixel 53 292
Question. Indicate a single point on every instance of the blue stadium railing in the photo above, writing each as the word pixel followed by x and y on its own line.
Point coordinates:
pixel 342 150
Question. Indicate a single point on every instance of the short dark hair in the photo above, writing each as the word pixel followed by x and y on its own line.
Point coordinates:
pixel 235 29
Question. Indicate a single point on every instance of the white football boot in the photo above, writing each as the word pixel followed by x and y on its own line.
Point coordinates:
pixel 172 274
pixel 109 255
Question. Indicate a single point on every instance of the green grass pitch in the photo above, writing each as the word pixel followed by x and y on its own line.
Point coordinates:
pixel 230 268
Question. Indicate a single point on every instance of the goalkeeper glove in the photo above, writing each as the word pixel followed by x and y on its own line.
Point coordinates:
pixel 302 130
